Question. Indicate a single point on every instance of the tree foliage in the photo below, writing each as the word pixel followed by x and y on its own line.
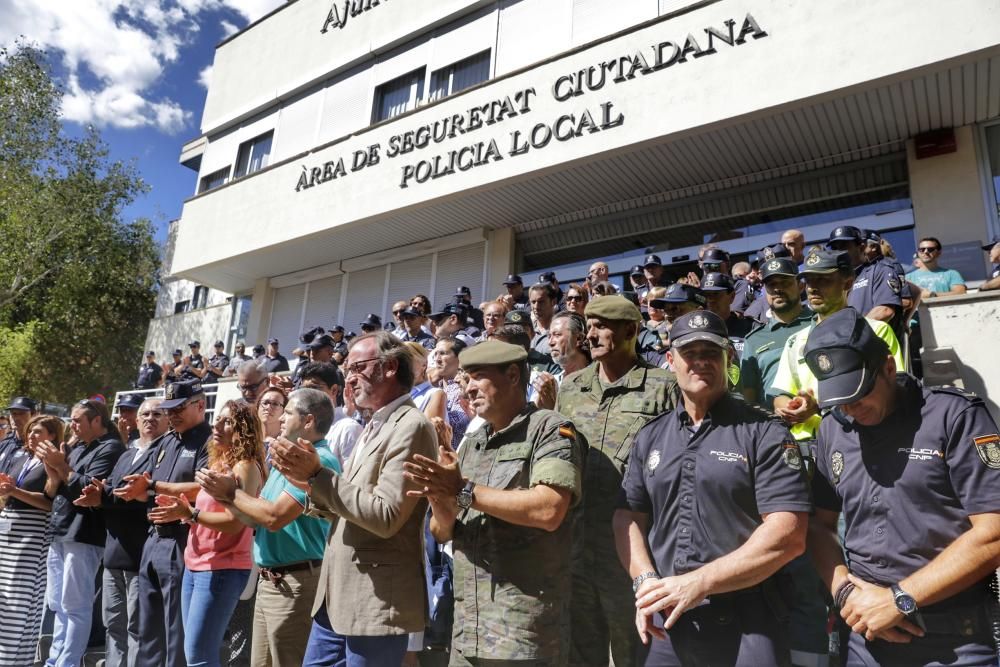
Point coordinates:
pixel 77 282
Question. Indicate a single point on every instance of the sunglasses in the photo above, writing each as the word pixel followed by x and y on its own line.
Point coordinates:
pixel 928 249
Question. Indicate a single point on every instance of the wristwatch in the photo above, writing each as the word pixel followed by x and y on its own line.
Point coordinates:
pixel 905 603
pixel 641 578
pixel 465 496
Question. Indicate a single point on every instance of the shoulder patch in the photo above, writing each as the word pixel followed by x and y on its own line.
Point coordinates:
pixel 894 284
pixel 988 448
pixel 791 455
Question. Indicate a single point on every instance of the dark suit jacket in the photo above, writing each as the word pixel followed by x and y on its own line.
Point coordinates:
pixel 125 521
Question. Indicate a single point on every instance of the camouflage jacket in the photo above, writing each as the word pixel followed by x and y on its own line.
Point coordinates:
pixel 512 582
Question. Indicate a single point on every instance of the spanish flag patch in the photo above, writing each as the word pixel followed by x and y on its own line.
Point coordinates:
pixel 567 431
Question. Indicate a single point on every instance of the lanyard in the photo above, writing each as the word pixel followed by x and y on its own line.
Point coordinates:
pixel 30 465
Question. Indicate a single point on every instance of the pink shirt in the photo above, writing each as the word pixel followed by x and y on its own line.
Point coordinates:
pixel 209 549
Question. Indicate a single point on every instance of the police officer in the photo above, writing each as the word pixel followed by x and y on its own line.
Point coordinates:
pixel 239 356
pixel 608 401
pixel 339 344
pixel 217 364
pixel 150 373
pixel 301 354
pixel 515 288
pixel 916 473
pixel 765 342
pixel 21 410
pixel 371 323
pixel 719 291
pixel 758 310
pixel 749 288
pixel 715 503
pixel 464 295
pixel 877 288
pixel 172 369
pixel 505 505
pixel 993 282
pixel 274 361
pixel 194 365
pixel 656 276
pixel 128 417
pixel 170 470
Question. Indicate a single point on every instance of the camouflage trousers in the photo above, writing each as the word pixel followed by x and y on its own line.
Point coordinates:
pixel 602 614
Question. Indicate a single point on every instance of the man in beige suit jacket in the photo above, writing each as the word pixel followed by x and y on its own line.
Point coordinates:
pixel 371 590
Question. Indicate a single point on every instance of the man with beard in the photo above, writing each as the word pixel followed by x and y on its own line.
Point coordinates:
pixel 568 348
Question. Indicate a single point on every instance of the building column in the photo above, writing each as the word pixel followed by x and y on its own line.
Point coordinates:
pixel 260 312
pixel 500 260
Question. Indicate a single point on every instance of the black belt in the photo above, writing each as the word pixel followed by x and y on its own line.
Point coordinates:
pixel 277 573
pixel 173 530
pixel 966 621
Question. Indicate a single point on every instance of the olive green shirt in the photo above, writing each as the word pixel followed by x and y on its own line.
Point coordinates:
pixel 512 583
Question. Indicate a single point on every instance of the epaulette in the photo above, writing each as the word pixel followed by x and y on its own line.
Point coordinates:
pixel 970 396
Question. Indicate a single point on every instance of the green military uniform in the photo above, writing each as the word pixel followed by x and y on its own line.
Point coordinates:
pixel 607 418
pixel 512 583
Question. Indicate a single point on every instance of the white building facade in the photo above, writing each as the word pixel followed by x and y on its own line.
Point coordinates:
pixel 355 153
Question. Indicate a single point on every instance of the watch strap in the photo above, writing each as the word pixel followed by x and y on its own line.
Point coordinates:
pixel 637 582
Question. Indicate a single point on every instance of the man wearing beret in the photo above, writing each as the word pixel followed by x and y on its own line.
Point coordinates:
pixel 504 501
pixel 608 401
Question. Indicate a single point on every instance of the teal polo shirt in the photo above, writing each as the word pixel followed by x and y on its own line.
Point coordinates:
pixel 762 352
pixel 302 539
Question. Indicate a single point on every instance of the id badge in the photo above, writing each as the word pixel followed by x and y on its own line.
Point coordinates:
pixel 5 525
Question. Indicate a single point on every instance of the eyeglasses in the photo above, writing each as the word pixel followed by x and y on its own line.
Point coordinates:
pixel 272 404
pixel 179 409
pixel 153 414
pixel 358 366
pixel 574 297
pixel 928 249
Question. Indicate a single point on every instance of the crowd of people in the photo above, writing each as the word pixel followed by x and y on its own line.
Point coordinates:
pixel 728 467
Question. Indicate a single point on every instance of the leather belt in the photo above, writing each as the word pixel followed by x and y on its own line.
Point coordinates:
pixel 966 621
pixel 173 530
pixel 277 573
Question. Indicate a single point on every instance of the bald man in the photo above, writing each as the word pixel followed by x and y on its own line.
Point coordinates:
pixel 795 241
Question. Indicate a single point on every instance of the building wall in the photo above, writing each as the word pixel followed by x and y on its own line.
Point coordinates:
pixel 206 325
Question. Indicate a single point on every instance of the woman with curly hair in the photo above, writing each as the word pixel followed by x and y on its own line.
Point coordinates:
pixel 217 559
pixel 24 543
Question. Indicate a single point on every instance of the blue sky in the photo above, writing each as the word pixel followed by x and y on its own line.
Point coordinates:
pixel 137 70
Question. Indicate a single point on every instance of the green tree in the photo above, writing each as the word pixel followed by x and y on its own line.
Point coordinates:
pixel 77 282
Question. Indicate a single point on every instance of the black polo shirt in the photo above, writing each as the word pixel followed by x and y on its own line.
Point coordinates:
pixel 93 460
pixel 275 364
pixel 705 489
pixel 908 485
pixel 178 457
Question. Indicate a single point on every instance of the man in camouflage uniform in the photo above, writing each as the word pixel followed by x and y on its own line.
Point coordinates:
pixel 503 500
pixel 609 401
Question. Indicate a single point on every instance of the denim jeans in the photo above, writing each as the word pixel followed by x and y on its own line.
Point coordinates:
pixel 326 648
pixel 72 579
pixel 207 602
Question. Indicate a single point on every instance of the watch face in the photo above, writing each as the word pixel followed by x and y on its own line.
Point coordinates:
pixel 906 604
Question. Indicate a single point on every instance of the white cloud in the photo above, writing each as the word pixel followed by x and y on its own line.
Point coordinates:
pixel 205 77
pixel 123 48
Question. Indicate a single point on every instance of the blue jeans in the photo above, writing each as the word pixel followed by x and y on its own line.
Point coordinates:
pixel 326 648
pixel 72 572
pixel 207 602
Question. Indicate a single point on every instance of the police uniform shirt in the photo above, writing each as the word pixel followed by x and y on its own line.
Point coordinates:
pixel 738 327
pixel 897 268
pixel 149 376
pixel 875 284
pixel 275 364
pixel 9 448
pixel 707 488
pixel 521 303
pixel 908 485
pixel 220 362
pixel 745 295
pixel 512 583
pixel 341 348
pixel 762 352
pixel 178 458
pixel 194 361
pixel 758 310
pixel 426 340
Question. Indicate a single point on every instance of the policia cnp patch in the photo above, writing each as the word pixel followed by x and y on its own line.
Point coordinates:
pixel 988 448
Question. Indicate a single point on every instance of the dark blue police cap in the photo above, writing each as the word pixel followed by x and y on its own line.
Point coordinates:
pixel 779 266
pixel 178 353
pixel 636 271
pixel 463 291
pixel 22 403
pixel 846 233
pixel 680 293
pixel 459 309
pixel 131 401
pixel 547 277
pixel 151 354
pixel 716 282
pixel 308 335
pixel 258 350
pixel 772 251
pixel 699 325
pixel 337 329
pixel 715 256
pixel 272 341
pixel 871 236
pixel 826 261
pixel 320 341
pixel 513 279
pixel 219 343
pixel 372 320
pixel 652 260
pixel 179 393
pixel 194 343
pixel 412 312
pixel 845 355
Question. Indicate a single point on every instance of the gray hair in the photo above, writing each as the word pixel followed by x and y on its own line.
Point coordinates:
pixel 316 403
pixel 252 368
pixel 389 347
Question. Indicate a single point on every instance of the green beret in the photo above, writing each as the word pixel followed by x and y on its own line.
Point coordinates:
pixel 492 353
pixel 613 307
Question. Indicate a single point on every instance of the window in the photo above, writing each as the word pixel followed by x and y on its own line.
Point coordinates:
pixel 200 299
pixel 399 95
pixel 253 155
pixel 182 307
pixel 213 180
pixel 459 76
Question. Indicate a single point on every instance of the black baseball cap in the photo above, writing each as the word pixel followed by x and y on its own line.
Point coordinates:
pixel 371 320
pixel 845 355
pixel 151 354
pixel 772 251
pixel 779 266
pixel 871 236
pixel 194 343
pixel 320 341
pixel 130 401
pixel 699 325
pixel 219 343
pixel 179 393
pixel 715 256
pixel 716 282
pixel 22 403
pixel 337 329
pixel 513 279
pixel 308 335
pixel 459 309
pixel 547 277
pixel 177 353
pixel 637 270
pixel 826 261
pixel 652 260
pixel 680 293
pixel 412 312
pixel 272 341
pixel 463 291
pixel 846 233
pixel 258 349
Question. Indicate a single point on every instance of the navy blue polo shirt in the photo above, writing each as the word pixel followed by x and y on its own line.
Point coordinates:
pixel 875 284
pixel 908 485
pixel 705 490
pixel 178 458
